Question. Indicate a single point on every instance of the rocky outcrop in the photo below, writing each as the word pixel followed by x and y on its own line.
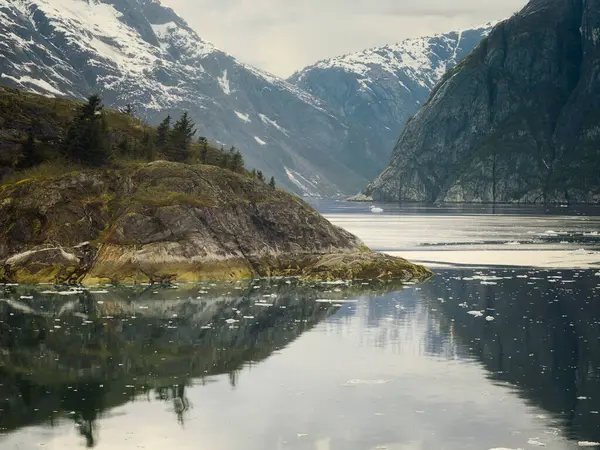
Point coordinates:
pixel 162 222
pixel 516 121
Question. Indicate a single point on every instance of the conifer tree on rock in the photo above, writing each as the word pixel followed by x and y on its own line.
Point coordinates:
pixel 163 132
pixel 87 138
pixel 181 138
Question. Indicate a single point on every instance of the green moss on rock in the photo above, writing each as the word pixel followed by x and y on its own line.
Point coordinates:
pixel 162 222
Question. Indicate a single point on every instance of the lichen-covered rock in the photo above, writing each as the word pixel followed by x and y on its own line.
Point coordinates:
pixel 164 221
pixel 517 121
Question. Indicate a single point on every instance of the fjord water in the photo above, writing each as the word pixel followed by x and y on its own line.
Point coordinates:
pixel 499 350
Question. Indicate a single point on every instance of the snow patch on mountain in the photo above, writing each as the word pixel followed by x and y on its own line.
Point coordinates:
pixel 243 117
pixel 224 83
pixel 44 85
pixel 273 123
pixel 310 188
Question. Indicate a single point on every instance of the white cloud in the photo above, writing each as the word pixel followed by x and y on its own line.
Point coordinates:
pixel 282 36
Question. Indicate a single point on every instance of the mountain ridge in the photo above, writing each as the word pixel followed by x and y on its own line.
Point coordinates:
pixel 378 89
pixel 515 121
pixel 139 52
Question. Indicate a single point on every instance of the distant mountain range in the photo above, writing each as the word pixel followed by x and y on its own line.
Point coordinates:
pixel 518 120
pixel 326 131
pixel 377 90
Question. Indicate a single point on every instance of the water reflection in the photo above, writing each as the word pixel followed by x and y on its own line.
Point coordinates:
pixel 77 354
pixel 544 336
pixel 471 360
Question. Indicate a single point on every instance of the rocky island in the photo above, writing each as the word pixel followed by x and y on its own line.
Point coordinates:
pixel 165 221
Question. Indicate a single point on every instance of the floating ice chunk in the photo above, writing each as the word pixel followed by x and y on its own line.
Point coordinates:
pixel 359 382
pixel 490 318
pixel 475 313
pixel 588 444
pixel 512 243
pixel 536 442
pixel 26 297
pixel 99 292
pixel 505 448
pixel 231 321
pixel 263 304
pixel 581 251
pixel 463 305
pixel 376 210
pixel 551 232
pixel 248 317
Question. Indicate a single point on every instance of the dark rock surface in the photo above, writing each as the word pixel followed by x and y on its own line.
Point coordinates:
pixel 517 121
pixel 162 221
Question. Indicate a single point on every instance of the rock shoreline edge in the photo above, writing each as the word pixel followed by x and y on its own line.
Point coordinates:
pixel 166 222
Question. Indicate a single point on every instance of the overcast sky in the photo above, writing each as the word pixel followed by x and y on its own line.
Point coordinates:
pixel 282 36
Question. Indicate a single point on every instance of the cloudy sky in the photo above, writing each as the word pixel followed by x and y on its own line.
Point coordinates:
pixel 282 36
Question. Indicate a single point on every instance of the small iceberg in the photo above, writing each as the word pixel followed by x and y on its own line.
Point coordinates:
pixel 581 251
pixel 376 210
pixel 475 313
pixel 588 444
pixel 490 318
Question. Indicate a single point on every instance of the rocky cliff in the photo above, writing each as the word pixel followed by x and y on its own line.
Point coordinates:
pixel 517 121
pixel 162 221
pixel 377 90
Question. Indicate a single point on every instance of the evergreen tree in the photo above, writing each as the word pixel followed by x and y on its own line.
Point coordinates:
pixel 231 159
pixel 224 162
pixel 203 149
pixel 260 176
pixel 253 173
pixel 272 183
pixel 163 132
pixel 148 147
pixel 124 147
pixel 181 138
pixel 87 140
pixel 237 162
pixel 128 109
pixel 30 156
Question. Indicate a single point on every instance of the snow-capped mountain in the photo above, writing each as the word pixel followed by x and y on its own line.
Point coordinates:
pixel 140 52
pixel 377 90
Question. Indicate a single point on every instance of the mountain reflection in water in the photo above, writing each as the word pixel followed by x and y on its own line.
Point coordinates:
pixel 494 358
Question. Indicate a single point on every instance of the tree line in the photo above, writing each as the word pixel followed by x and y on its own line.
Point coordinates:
pixel 89 141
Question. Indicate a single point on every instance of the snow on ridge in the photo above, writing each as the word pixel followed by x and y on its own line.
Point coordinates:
pixel 243 117
pixel 414 57
pixel 308 187
pixel 224 83
pixel 47 87
pixel 273 123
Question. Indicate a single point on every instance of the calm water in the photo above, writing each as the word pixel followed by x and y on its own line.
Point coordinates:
pixel 499 350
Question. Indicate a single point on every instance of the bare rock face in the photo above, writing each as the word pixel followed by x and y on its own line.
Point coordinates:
pixel 162 221
pixel 516 121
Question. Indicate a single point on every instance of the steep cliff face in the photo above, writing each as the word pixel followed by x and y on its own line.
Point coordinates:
pixel 379 89
pixel 163 221
pixel 517 120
